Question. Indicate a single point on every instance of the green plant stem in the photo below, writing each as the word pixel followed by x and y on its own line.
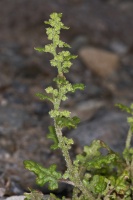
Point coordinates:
pixel 74 175
pixel 75 193
pixel 128 144
pixel 128 140
pixel 131 173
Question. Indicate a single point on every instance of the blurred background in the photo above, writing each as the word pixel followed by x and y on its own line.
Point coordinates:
pixel 101 34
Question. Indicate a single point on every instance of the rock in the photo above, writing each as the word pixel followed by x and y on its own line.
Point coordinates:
pixel 16 198
pixel 126 6
pixel 103 63
pixel 5 81
pixel 86 110
pixel 22 197
pixel 99 15
pixel 12 119
pixel 118 47
pixel 10 58
pixel 108 126
pixel 45 197
pixel 2 191
pixel 79 42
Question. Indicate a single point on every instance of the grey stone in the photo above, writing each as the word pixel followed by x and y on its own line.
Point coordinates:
pixel 5 81
pixel 118 47
pixel 12 119
pixel 87 109
pixel 108 126
pixel 16 198
pixel 101 62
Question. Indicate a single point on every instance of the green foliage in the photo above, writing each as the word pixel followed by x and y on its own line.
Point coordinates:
pixel 44 97
pixel 100 170
pixel 97 173
pixel 125 108
pixel 67 142
pixel 129 110
pixel 100 184
pixel 52 135
pixel 37 195
pixel 89 152
pixel 53 197
pixel 44 175
pixel 69 122
pixel 34 195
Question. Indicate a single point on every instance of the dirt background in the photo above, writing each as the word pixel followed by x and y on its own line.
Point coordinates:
pixel 101 34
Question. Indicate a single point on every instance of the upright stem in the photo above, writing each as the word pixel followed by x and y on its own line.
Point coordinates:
pixel 74 174
pixel 130 162
pixel 128 140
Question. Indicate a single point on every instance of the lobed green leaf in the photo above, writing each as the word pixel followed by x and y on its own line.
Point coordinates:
pixel 44 175
pixel 78 86
pixel 40 49
pixel 101 161
pixel 89 152
pixel 34 195
pixel 98 184
pixel 122 182
pixel 124 108
pixel 68 122
pixel 44 97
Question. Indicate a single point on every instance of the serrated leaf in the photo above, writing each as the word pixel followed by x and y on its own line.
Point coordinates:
pixel 40 49
pixel 34 195
pixel 121 185
pixel 98 184
pixel 44 175
pixel 68 122
pixel 44 97
pixel 88 153
pixel 63 44
pixel 124 108
pixel 101 161
pixel 53 197
pixel 78 86
pixel 52 135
